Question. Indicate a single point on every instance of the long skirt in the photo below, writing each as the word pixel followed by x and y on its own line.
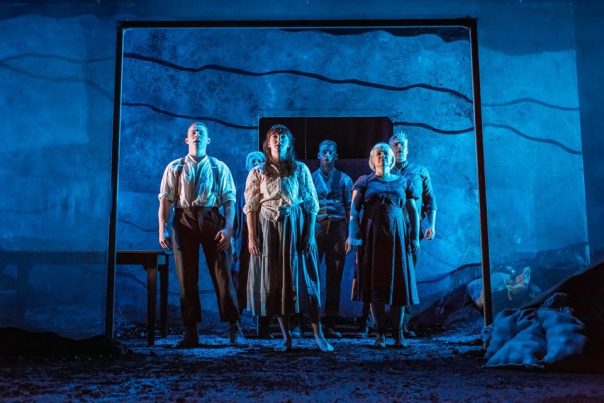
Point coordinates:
pixel 385 272
pixel 283 279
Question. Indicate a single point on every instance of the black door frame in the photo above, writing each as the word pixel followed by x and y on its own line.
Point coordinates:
pixel 469 23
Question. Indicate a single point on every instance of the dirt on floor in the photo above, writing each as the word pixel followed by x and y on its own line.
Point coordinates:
pixel 443 367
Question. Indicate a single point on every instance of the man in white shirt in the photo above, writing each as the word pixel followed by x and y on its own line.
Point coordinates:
pixel 198 186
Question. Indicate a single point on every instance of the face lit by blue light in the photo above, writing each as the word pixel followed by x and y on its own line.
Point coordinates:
pixel 278 144
pixel 254 159
pixel 327 154
pixel 197 139
pixel 381 158
pixel 401 149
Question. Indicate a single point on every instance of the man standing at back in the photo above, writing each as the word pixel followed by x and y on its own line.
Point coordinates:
pixel 334 189
pixel 198 185
pixel 241 253
pixel 426 203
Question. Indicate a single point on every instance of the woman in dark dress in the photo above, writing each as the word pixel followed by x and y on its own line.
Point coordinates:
pixel 281 206
pixel 385 272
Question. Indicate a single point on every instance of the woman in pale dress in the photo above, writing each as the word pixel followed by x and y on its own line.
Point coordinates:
pixel 281 204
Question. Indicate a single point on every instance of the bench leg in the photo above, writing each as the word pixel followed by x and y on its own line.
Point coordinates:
pixel 151 302
pixel 163 299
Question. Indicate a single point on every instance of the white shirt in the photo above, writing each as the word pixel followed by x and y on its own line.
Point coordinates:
pixel 196 183
pixel 274 195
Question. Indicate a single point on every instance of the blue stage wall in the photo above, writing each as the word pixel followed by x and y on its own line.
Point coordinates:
pixel 56 86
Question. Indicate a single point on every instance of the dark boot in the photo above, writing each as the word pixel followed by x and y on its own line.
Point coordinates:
pixel 262 327
pixel 363 329
pixel 190 337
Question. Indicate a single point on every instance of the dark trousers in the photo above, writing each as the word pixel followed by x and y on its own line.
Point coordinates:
pixel 331 237
pixel 191 227
pixel 244 269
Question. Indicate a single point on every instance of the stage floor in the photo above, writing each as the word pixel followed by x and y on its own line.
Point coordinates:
pixel 446 367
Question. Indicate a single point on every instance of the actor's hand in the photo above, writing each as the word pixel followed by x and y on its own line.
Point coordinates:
pixel 309 244
pixel 223 237
pixel 253 247
pixel 164 239
pixel 352 243
pixel 414 246
pixel 430 233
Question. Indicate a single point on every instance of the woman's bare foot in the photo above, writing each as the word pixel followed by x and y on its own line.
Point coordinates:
pixel 286 345
pixel 399 339
pixel 401 343
pixel 323 344
pixel 380 341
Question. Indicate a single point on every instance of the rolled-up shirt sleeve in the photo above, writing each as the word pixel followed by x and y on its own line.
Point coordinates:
pixel 308 192
pixel 167 188
pixel 252 191
pixel 228 191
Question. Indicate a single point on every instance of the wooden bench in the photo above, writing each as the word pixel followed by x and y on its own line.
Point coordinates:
pixel 153 262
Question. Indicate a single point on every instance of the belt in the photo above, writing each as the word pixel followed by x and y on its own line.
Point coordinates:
pixel 386 201
pixel 327 218
pixel 195 209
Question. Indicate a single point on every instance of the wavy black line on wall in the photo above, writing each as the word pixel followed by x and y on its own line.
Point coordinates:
pixel 316 76
pixel 190 117
pixel 396 123
pixel 108 59
pixel 108 95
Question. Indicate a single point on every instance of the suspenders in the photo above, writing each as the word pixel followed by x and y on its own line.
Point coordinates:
pixel 214 166
pixel 215 175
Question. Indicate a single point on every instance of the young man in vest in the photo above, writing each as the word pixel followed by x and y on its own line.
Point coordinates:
pixel 334 190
